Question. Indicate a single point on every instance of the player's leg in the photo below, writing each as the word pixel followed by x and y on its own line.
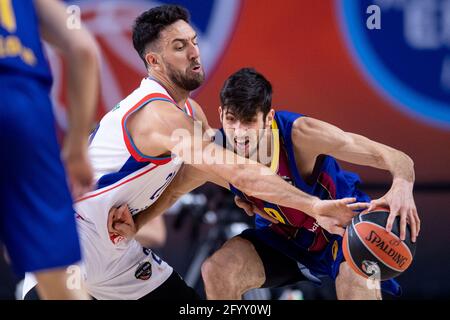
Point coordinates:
pixel 330 261
pixel 232 270
pixel 247 262
pixel 38 223
pixel 351 286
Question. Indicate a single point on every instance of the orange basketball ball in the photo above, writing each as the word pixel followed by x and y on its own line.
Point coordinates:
pixel 373 252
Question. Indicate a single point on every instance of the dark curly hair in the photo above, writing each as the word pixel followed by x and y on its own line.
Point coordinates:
pixel 245 93
pixel 148 26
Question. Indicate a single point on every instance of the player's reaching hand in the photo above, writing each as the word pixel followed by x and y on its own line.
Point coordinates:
pixel 400 201
pixel 335 215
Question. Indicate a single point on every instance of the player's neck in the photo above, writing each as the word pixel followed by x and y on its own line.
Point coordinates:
pixel 176 93
pixel 266 159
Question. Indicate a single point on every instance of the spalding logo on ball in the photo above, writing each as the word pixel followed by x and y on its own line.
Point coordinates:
pixel 372 251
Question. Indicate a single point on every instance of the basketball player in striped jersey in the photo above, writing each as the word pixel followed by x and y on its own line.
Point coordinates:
pixel 135 157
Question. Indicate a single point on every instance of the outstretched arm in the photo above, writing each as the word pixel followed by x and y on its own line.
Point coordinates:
pixel 187 179
pixel 172 130
pixel 315 137
pixel 121 223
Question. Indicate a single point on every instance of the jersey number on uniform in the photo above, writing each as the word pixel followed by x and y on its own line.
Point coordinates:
pixel 274 214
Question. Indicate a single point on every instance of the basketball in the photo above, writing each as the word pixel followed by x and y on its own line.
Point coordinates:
pixel 374 253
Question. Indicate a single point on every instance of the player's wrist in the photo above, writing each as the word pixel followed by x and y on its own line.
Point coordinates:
pixel 404 170
pixel 314 210
pixel 403 182
pixel 75 147
pixel 140 220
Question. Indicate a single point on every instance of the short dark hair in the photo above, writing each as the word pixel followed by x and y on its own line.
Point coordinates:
pixel 245 93
pixel 148 26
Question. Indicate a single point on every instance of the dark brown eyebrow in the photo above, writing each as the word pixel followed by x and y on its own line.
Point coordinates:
pixel 179 39
pixel 184 40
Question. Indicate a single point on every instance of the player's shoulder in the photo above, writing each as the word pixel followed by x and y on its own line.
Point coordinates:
pixel 288 116
pixel 147 107
pixel 288 120
pixel 149 118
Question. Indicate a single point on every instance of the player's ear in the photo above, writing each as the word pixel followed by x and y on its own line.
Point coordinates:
pixel 269 117
pixel 220 114
pixel 153 60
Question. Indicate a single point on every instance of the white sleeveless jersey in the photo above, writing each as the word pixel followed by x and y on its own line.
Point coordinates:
pixel 122 270
pixel 122 173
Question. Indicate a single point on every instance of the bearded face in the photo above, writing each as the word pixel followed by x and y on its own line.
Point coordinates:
pixel 188 79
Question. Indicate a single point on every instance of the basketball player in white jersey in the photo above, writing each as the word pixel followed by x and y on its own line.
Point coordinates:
pixel 135 158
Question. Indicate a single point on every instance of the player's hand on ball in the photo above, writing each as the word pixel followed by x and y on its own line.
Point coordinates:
pixel 399 199
pixel 335 215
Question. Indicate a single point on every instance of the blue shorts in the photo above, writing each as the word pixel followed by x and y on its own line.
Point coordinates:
pixel 37 222
pixel 286 262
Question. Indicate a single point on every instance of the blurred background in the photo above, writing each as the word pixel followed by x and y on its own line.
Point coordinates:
pixel 383 72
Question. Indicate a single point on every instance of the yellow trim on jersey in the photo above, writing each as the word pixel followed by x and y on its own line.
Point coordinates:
pixel 7 18
pixel 276 147
pixel 334 249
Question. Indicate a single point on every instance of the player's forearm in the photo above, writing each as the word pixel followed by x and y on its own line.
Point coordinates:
pixel 260 182
pixel 253 178
pixel 165 201
pixel 80 54
pixel 152 234
pixel 185 181
pixel 82 94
